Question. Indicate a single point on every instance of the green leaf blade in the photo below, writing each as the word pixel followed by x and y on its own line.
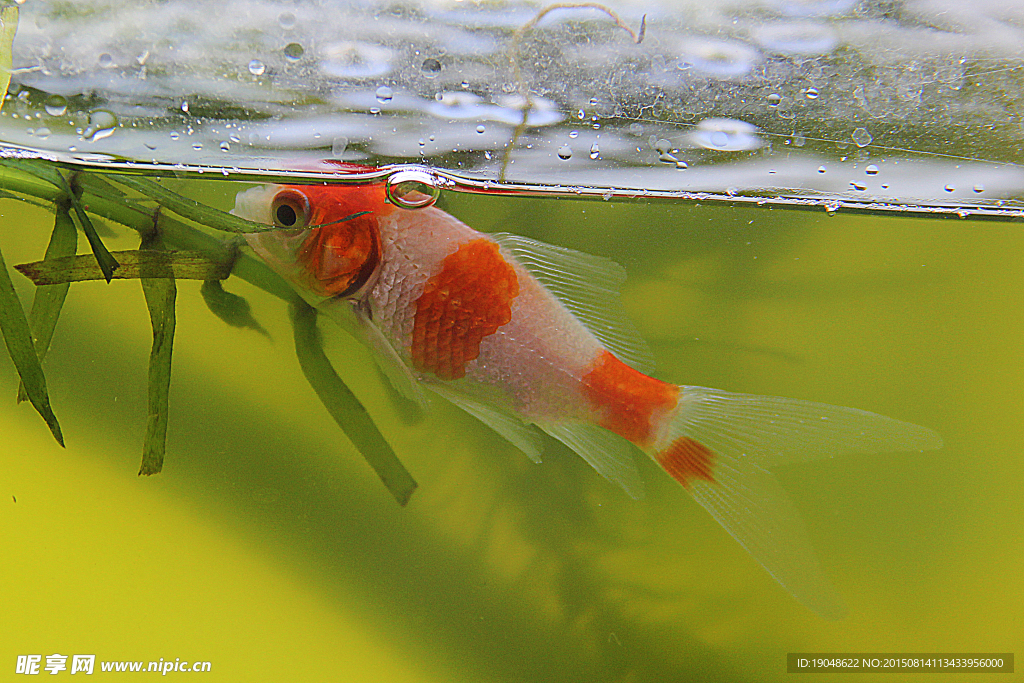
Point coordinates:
pixel 161 291
pixel 344 407
pixel 18 338
pixel 8 27
pixel 49 299
pixel 181 265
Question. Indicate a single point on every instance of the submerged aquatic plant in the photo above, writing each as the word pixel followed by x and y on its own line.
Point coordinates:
pixel 171 248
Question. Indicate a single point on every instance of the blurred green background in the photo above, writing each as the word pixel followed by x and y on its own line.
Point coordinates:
pixel 269 548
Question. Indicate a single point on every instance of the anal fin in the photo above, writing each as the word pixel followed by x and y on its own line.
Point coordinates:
pixel 504 422
pixel 608 453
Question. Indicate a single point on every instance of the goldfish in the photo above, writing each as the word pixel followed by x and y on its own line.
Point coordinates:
pixel 525 335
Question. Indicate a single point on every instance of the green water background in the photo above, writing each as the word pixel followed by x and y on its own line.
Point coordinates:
pixel 269 548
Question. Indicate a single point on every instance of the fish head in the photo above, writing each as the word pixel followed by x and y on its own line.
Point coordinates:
pixel 327 242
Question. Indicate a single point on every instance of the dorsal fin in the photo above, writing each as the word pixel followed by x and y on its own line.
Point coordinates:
pixel 588 286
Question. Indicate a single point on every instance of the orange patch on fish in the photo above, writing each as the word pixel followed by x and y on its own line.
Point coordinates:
pixel 686 460
pixel 627 400
pixel 468 300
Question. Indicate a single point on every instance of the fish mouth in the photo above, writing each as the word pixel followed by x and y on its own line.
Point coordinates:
pixel 254 204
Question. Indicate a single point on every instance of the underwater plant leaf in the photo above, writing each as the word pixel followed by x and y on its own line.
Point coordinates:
pixel 181 265
pixel 231 308
pixel 18 337
pixel 107 263
pixel 160 289
pixel 343 405
pixel 8 27
pixel 49 299
pixel 191 209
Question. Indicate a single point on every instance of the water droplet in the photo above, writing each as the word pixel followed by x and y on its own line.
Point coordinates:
pixel 979 188
pixel 581 114
pixel 574 134
pixel 225 147
pixel 663 146
pixel 949 188
pixel 175 135
pixel 564 152
pixel 257 68
pixel 105 60
pixel 799 140
pixel 861 137
pixel 465 85
pixel 198 146
pixel 412 189
pixel 682 165
pixel 184 106
pixel 101 124
pixel 858 186
pixel 774 99
pixel 55 105
pixel 593 101
pixel 811 93
pixel 487 155
pixel 871 170
pixel 481 128
pixel 831 207
pixel 338 146
pixel 42 133
pixel 286 20
pixel 431 67
pixel 595 151
pixel 293 51
pixel 384 94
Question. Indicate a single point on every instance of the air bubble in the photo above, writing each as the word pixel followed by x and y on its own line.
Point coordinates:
pixel 595 151
pixel 384 94
pixel 294 51
pixel 564 152
pixel 861 137
pixel 412 189
pixel 338 146
pixel 101 124
pixel 774 100
pixel 105 60
pixel 871 170
pixel 431 67
pixel 286 20
pixel 257 68
pixel 56 105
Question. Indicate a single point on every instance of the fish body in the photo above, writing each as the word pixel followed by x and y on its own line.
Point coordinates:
pixel 519 333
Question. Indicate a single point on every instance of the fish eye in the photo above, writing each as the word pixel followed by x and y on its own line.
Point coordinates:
pixel 285 216
pixel 290 211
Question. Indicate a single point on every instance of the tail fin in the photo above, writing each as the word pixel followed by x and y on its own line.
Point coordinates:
pixel 719 446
